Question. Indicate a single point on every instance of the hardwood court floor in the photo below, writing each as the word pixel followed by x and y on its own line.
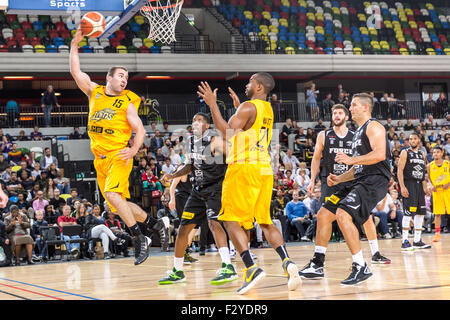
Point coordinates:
pixel 422 274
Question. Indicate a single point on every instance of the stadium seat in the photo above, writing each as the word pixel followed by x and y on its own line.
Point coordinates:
pixel 99 49
pixel 52 49
pixel 166 49
pixel 63 48
pixel 39 48
pixel 121 49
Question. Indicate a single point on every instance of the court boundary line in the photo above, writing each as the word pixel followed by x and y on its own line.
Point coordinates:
pixel 14 295
pixel 60 291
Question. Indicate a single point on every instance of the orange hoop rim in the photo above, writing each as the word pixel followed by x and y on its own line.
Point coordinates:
pixel 150 8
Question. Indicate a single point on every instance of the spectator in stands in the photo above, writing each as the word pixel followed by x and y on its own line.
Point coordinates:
pixel 5 245
pixel 49 189
pixel 376 105
pixel 310 134
pixel 36 171
pixel 165 133
pixel 52 171
pixel 5 146
pixel 144 110
pixel 156 142
pixel 277 207
pixel 56 201
pixel 340 89
pixel 430 124
pixel 429 106
pixel 32 195
pixel 15 155
pixel 302 180
pixel 175 158
pixel 327 104
pixel 167 217
pixel 442 105
pixel 76 134
pixel 26 181
pixel 311 101
pixel 47 102
pixel 408 126
pixel 167 167
pixel 319 126
pixel 13 186
pixel 35 135
pixel 23 167
pixel 62 183
pixel 47 159
pixel 67 220
pixel 73 197
pixel 40 203
pixel 278 108
pixel 35 234
pixel 295 128
pixel 297 214
pixel 396 219
pixel 286 131
pixel 447 144
pixel 42 179
pixel 300 141
pixel 290 161
pixel 16 224
pixel 12 112
pixel 343 99
pixel 383 209
pixel 3 163
pixel 22 203
pixel 115 226
pixel 165 150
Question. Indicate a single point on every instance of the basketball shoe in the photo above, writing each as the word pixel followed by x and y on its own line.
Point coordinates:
pixel 421 245
pixel 378 258
pixel 188 259
pixel 173 276
pixel 437 237
pixel 225 274
pixel 251 277
pixel 406 246
pixel 312 271
pixel 291 271
pixel 358 274
pixel 141 249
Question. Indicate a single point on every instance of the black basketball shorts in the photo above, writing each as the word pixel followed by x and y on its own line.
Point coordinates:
pixel 415 203
pixel 360 198
pixel 203 203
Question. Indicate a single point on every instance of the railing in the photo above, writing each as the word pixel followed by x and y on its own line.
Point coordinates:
pixel 71 116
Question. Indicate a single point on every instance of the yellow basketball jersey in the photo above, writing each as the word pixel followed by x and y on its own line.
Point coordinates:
pixel 252 146
pixel 108 125
pixel 440 176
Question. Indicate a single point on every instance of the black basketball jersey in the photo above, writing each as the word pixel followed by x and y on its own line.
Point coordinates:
pixel 184 187
pixel 415 165
pixel 361 146
pixel 332 145
pixel 207 169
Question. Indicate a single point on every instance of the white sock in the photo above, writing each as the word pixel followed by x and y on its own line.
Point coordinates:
pixel 373 246
pixel 405 225
pixel 358 258
pixel 230 243
pixel 178 263
pixel 320 249
pixel 418 222
pixel 225 255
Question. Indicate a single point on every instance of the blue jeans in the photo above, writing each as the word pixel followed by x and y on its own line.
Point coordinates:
pixel 70 246
pixel 41 247
pixel 47 115
pixel 398 218
pixel 383 221
pixel 63 189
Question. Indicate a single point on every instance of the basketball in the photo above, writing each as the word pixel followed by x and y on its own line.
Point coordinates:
pixel 93 24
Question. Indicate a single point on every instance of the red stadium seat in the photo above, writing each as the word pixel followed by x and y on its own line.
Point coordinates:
pixel 284 15
pixel 144 49
pixel 3 48
pixel 26 25
pixel 11 17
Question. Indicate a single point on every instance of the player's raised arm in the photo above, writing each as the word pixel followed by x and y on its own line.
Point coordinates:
pixel 237 122
pixel 315 163
pixel 82 79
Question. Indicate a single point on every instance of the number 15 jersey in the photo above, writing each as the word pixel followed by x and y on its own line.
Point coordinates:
pixel 252 146
pixel 108 125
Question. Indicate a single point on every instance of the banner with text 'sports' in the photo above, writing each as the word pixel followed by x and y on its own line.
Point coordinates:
pixel 65 7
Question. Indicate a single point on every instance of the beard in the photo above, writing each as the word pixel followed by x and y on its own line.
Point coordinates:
pixel 338 124
pixel 249 93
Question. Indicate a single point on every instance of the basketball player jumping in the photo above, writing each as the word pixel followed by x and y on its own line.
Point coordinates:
pixel 247 188
pixel 112 117
pixel 371 174
pixel 207 164
pixel 439 176
pixel 329 143
pixel 411 177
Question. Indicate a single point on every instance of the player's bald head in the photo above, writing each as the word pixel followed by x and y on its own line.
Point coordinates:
pixel 266 80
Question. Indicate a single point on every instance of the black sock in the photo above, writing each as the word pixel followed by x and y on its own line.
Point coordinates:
pixel 135 231
pixel 247 258
pixel 282 252
pixel 150 221
pixel 318 259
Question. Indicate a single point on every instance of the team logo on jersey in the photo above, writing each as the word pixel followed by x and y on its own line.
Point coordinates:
pixel 349 143
pixel 105 114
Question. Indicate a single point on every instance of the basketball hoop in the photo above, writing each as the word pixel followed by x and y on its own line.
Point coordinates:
pixel 162 16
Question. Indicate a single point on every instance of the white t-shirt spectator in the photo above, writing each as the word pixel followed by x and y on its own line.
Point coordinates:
pixel 293 159
pixel 175 159
pixel 387 205
pixel 168 169
pixel 307 203
pixel 303 181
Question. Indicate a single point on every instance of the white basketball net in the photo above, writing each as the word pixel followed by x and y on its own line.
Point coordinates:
pixel 162 16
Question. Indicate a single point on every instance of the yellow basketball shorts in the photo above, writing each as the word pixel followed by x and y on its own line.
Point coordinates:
pixel 246 194
pixel 113 174
pixel 441 201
